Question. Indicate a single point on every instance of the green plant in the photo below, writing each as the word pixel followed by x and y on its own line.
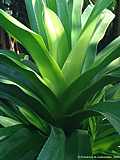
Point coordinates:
pixel 52 107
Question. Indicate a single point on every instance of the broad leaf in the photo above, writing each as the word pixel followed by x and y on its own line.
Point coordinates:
pixel 8 131
pixel 18 145
pixel 54 146
pixel 78 145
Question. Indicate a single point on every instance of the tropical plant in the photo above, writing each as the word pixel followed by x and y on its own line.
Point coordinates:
pixel 52 106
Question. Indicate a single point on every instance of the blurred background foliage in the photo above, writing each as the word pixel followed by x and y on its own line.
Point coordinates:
pixel 17 9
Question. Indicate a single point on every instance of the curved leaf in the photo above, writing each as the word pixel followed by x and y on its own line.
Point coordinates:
pixel 87 94
pixel 23 144
pixel 11 117
pixel 10 73
pixel 111 111
pixel 54 146
pixel 36 47
pixel 105 19
pixel 16 96
pixel 7 122
pixel 105 57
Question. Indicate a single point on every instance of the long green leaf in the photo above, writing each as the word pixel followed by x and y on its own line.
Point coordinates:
pixel 54 146
pixel 36 47
pixel 106 18
pixel 35 15
pixel 76 21
pixel 26 80
pixel 60 7
pixel 20 111
pixel 90 92
pixel 69 9
pixel 74 63
pixel 57 38
pixel 105 57
pixel 7 122
pixel 27 65
pixel 85 15
pixel 34 119
pixel 63 14
pixel 8 109
pixel 16 96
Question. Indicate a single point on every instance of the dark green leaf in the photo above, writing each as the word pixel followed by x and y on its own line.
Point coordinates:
pixel 20 144
pixel 10 73
pixel 111 111
pixel 16 96
pixel 78 145
pixel 54 146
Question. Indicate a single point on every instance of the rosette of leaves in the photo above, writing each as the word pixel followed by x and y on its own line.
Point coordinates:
pixel 50 105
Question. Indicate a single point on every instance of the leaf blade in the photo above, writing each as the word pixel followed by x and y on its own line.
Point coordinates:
pixel 74 63
pixel 76 21
pixel 35 15
pixel 110 110
pixel 54 147
pixel 57 38
pixel 46 65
